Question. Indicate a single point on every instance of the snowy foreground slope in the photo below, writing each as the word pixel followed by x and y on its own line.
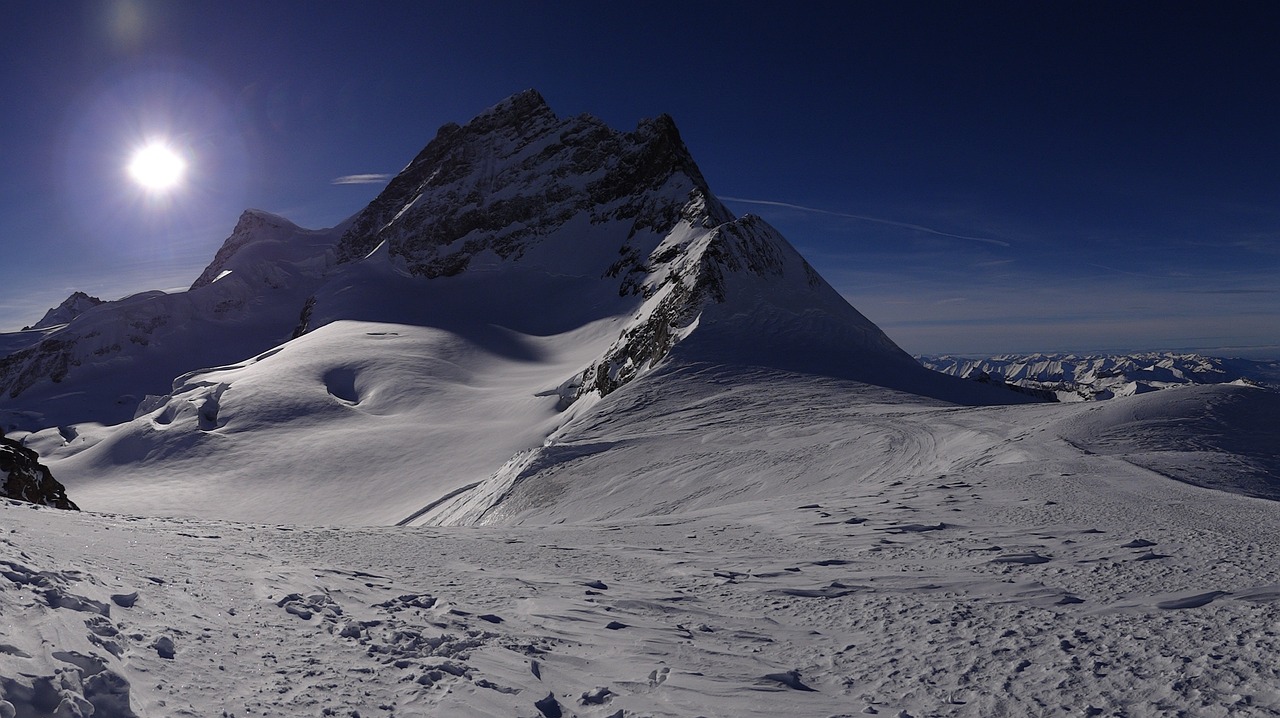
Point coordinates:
pixel 861 551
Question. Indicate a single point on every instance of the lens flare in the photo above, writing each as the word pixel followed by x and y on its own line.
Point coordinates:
pixel 157 167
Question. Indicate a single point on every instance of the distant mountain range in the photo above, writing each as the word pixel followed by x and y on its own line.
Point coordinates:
pixel 1086 377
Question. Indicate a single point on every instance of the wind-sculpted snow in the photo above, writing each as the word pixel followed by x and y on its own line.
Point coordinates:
pixel 352 423
pixel 696 437
pixel 758 544
pixel 1087 377
pixel 1225 437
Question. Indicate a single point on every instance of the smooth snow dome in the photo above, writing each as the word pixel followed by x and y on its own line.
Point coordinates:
pixel 547 430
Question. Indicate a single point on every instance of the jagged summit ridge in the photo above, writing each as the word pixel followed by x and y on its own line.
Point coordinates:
pixel 517 173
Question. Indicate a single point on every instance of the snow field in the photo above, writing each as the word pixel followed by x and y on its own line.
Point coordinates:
pixel 971 562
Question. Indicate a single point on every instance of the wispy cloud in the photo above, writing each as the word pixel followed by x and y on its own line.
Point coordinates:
pixel 1125 271
pixel 864 218
pixel 1231 291
pixel 361 179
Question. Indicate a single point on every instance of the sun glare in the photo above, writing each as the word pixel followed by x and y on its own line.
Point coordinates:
pixel 157 167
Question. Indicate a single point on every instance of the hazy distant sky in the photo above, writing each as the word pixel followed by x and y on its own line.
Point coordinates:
pixel 976 177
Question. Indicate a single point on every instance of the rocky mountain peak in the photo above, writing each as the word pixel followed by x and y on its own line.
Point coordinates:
pixel 511 176
pixel 520 110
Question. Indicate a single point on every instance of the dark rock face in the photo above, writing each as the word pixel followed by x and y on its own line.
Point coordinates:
pixel 515 174
pixel 689 280
pixel 50 358
pixel 26 479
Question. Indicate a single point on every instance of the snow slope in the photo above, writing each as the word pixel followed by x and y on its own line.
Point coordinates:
pixel 102 364
pixel 917 559
pixel 334 427
pixel 73 306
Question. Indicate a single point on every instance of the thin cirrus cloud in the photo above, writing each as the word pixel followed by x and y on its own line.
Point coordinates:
pixel 864 218
pixel 361 179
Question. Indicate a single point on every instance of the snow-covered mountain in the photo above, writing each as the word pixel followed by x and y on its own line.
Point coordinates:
pixel 73 306
pixel 644 462
pixel 99 366
pixel 1075 377
pixel 521 268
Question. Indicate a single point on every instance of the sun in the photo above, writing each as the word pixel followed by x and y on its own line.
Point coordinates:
pixel 157 167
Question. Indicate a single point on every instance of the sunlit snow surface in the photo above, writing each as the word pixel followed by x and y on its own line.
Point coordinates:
pixel 614 468
pixel 752 543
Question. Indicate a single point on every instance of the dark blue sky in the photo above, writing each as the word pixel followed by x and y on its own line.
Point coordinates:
pixel 975 177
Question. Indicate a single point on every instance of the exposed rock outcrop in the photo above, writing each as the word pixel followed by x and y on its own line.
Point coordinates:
pixel 26 479
pixel 515 174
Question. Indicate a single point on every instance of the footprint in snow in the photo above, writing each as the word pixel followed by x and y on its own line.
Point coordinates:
pixel 790 679
pixel 164 647
pixel 549 706
pixel 597 697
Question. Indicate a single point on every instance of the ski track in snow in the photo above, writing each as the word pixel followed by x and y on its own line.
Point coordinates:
pixel 1052 581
